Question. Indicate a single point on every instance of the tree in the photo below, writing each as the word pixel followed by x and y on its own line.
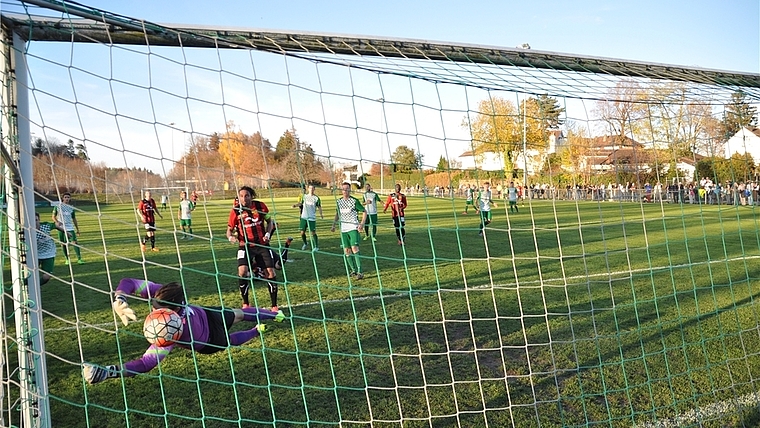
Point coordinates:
pixel 738 114
pixel 549 112
pixel 70 151
pixel 40 147
pixel 405 159
pixel 500 127
pixel 671 121
pixel 574 156
pixel 297 161
pixel 82 152
pixel 622 109
pixel 443 165
pixel 247 156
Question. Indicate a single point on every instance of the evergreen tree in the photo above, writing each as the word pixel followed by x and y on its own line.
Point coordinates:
pixel 550 112
pixel 738 114
pixel 442 165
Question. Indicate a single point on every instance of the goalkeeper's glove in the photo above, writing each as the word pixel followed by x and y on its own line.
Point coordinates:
pixel 122 309
pixel 93 373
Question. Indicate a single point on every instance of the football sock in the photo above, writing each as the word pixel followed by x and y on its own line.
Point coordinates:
pixel 244 284
pixel 240 337
pixel 273 292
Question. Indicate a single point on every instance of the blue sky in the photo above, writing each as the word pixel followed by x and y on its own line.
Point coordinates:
pixel 698 33
pixel 704 33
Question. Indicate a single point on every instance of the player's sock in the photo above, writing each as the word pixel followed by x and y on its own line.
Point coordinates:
pixel 366 230
pixel 273 292
pixel 240 337
pixel 244 284
pixel 374 231
pixel 65 251
pixel 358 262
pixel 303 238
pixel 153 241
pixel 258 315
pixel 78 251
pixel 350 262
pixel 315 240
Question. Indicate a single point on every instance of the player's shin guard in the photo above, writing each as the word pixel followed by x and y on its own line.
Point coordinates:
pixel 272 292
pixel 245 285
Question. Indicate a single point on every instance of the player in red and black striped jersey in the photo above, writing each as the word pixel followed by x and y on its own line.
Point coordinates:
pixel 147 209
pixel 251 227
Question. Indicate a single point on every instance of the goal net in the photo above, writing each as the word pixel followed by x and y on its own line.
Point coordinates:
pixel 556 240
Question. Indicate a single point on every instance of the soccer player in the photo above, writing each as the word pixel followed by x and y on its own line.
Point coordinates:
pixel 46 247
pixel 348 209
pixel 164 201
pixel 250 226
pixel 148 210
pixel 65 214
pixel 485 202
pixel 204 330
pixel 512 196
pixel 185 216
pixel 370 203
pixel 309 204
pixel 468 194
pixel 397 202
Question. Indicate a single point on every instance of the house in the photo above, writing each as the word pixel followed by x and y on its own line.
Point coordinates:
pixel 745 141
pixel 614 153
pixel 482 160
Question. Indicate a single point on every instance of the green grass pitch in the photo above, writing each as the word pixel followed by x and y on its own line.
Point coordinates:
pixel 566 314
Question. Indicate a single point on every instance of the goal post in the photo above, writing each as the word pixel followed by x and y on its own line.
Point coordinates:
pixel 21 252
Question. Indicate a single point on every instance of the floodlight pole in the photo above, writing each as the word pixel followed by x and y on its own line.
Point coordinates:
pixel 525 148
pixel 382 121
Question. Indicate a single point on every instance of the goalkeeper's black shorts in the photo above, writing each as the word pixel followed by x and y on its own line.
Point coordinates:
pixel 219 322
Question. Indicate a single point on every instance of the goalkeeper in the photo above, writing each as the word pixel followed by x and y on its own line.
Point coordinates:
pixel 204 329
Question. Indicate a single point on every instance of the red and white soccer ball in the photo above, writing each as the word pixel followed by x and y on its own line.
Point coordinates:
pixel 162 327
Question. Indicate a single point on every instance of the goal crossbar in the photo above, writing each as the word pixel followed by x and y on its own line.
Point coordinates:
pixel 98 26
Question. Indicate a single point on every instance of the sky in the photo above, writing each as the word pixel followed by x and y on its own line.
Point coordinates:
pixel 702 33
pixel 706 34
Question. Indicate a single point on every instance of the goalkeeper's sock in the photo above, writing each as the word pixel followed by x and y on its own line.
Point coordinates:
pixel 259 315
pixel 240 337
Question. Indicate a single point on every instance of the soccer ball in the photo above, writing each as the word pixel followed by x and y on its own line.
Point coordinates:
pixel 162 327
